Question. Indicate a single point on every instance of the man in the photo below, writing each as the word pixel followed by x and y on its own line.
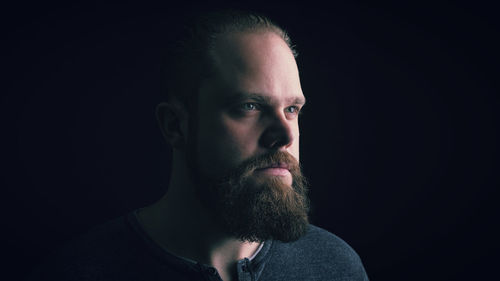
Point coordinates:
pixel 236 206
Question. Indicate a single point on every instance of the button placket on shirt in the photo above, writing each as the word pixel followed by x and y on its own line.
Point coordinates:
pixel 244 272
pixel 210 273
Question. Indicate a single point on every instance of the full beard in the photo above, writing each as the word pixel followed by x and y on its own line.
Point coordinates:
pixel 257 209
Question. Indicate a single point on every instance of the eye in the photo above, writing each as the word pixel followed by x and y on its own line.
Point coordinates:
pixel 249 106
pixel 292 109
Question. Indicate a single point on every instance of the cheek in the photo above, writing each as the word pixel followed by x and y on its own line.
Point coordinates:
pixel 239 136
pixel 224 143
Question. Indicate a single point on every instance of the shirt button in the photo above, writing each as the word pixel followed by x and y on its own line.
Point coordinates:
pixel 212 271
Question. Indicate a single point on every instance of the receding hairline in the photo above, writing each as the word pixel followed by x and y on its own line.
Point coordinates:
pixel 233 36
pixel 267 28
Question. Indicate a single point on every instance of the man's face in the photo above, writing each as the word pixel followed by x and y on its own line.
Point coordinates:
pixel 247 110
pixel 250 105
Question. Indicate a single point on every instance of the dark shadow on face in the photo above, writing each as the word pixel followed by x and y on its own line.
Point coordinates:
pixel 253 207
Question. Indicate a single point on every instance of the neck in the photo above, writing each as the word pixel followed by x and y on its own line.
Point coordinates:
pixel 182 226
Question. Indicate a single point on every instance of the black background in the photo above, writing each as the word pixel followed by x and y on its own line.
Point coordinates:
pixel 398 138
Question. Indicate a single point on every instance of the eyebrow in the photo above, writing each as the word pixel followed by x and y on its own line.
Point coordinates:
pixel 240 96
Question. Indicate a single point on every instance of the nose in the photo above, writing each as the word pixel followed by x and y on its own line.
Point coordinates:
pixel 278 133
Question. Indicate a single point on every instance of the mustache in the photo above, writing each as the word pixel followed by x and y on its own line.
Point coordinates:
pixel 280 159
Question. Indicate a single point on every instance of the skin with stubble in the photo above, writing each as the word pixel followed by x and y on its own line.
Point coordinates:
pixel 235 178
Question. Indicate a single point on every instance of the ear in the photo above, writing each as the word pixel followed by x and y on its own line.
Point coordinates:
pixel 173 121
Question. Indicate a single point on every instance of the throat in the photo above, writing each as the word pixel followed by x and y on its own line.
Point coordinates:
pixel 199 241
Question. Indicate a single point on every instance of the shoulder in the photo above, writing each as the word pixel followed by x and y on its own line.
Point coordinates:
pixel 100 240
pixel 319 244
pixel 319 253
pixel 91 255
pixel 319 241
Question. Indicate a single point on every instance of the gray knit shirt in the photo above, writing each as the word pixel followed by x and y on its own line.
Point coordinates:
pixel 121 250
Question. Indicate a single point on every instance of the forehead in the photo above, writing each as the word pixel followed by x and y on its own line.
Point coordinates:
pixel 257 62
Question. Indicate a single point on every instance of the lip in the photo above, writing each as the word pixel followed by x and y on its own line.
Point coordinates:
pixel 275 170
pixel 276 166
